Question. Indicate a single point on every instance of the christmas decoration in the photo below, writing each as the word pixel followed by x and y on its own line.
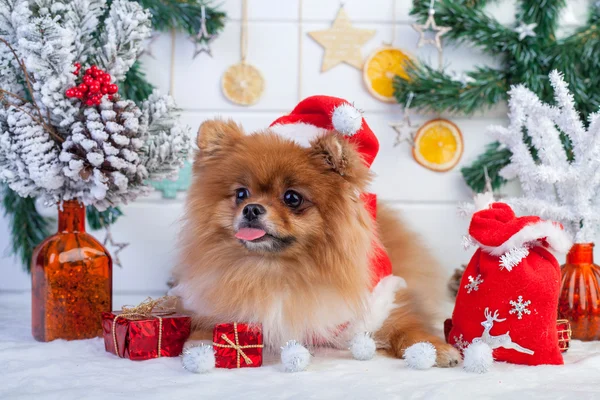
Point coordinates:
pixel 474 283
pixel 438 145
pixel 94 85
pixel 198 359
pixel 557 184
pixel 574 55
pixel 71 280
pixel 383 64
pixel 342 42
pixel 579 300
pixel 420 355
pixel 27 227
pixel 237 345
pixel 564 334
pixel 478 357
pixel 294 357
pixel 430 25
pixel 243 83
pixel 484 315
pixel 363 346
pixel 203 39
pixel 151 329
pixel 108 240
pixel 379 71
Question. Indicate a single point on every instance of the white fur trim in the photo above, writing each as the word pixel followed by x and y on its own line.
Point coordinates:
pixel 346 119
pixel 557 239
pixel 299 132
pixel 483 200
pixel 380 304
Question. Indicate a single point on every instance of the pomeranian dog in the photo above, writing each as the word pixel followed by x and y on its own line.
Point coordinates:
pixel 277 234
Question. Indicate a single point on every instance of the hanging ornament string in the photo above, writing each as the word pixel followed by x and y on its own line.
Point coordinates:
pixel 383 65
pixel 172 71
pixel 243 83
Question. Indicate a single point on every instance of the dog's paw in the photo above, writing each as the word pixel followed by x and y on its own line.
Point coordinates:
pixel 447 356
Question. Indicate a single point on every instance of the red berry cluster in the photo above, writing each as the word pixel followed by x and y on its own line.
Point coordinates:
pixel 96 83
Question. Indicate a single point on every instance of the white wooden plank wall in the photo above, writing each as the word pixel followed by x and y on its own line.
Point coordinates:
pixel 427 199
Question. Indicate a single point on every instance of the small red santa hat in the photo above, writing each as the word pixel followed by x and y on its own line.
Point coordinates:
pixel 497 230
pixel 318 114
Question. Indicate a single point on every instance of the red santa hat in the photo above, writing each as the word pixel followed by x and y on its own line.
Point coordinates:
pixel 318 114
pixel 497 230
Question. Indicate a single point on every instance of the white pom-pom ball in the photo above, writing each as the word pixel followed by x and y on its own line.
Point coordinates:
pixel 478 358
pixel 198 359
pixel 363 346
pixel 346 119
pixel 294 357
pixel 420 355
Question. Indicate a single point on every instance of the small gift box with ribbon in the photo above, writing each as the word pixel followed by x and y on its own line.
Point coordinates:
pixel 150 330
pixel 237 345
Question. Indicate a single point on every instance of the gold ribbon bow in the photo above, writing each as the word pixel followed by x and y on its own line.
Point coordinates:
pixel 239 349
pixel 149 308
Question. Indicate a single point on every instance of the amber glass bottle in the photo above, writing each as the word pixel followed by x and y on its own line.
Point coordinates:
pixel 579 300
pixel 71 275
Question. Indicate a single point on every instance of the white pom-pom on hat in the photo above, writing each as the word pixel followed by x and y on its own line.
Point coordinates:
pixel 363 346
pixel 294 357
pixel 478 357
pixel 198 359
pixel 420 355
pixel 346 119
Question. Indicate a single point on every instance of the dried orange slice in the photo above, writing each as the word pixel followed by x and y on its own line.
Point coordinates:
pixel 438 145
pixel 380 69
pixel 243 84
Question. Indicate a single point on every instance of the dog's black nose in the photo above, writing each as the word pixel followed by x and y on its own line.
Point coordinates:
pixel 253 211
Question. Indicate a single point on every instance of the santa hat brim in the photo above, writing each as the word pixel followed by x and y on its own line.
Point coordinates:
pixel 556 238
pixel 299 132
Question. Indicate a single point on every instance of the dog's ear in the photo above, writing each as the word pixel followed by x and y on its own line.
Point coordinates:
pixel 335 154
pixel 216 135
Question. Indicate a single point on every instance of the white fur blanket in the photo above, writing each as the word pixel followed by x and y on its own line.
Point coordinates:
pixel 83 370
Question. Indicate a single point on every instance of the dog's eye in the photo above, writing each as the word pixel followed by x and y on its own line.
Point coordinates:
pixel 292 199
pixel 241 194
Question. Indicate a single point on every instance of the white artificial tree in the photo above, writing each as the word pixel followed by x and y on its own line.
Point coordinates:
pixel 554 186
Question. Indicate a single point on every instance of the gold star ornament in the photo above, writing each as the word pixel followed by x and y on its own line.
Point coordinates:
pixel 430 25
pixel 342 42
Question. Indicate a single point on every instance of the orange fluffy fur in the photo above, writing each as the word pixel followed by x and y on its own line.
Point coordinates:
pixel 319 280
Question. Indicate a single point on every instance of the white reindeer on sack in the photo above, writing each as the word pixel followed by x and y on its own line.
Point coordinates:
pixel 501 340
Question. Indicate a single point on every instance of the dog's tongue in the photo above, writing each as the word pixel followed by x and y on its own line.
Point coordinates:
pixel 250 234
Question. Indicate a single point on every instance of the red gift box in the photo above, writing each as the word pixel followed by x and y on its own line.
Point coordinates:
pixel 563 328
pixel 237 345
pixel 146 331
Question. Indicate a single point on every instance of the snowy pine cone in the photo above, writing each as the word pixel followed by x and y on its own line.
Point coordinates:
pixel 28 155
pixel 101 155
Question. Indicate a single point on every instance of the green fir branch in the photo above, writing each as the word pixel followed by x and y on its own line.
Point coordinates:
pixel 27 227
pixel 436 91
pixel 136 87
pixel 544 13
pixel 100 219
pixel 183 15
pixel 493 160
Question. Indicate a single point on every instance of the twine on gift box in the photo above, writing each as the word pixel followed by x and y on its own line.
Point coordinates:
pixel 149 308
pixel 239 349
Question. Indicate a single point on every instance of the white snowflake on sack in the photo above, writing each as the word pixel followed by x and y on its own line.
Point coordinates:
pixel 554 187
pixel 58 148
pixel 520 307
pixel 460 343
pixel 474 283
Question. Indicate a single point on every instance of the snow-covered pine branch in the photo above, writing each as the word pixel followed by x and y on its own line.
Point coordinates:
pixel 167 142
pixel 82 17
pixel 47 51
pixel 126 28
pixel 13 13
pixel 553 186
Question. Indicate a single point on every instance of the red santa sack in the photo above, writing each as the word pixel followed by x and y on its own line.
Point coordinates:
pixel 508 296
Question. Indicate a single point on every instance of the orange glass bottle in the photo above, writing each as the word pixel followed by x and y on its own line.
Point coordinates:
pixel 579 300
pixel 71 275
